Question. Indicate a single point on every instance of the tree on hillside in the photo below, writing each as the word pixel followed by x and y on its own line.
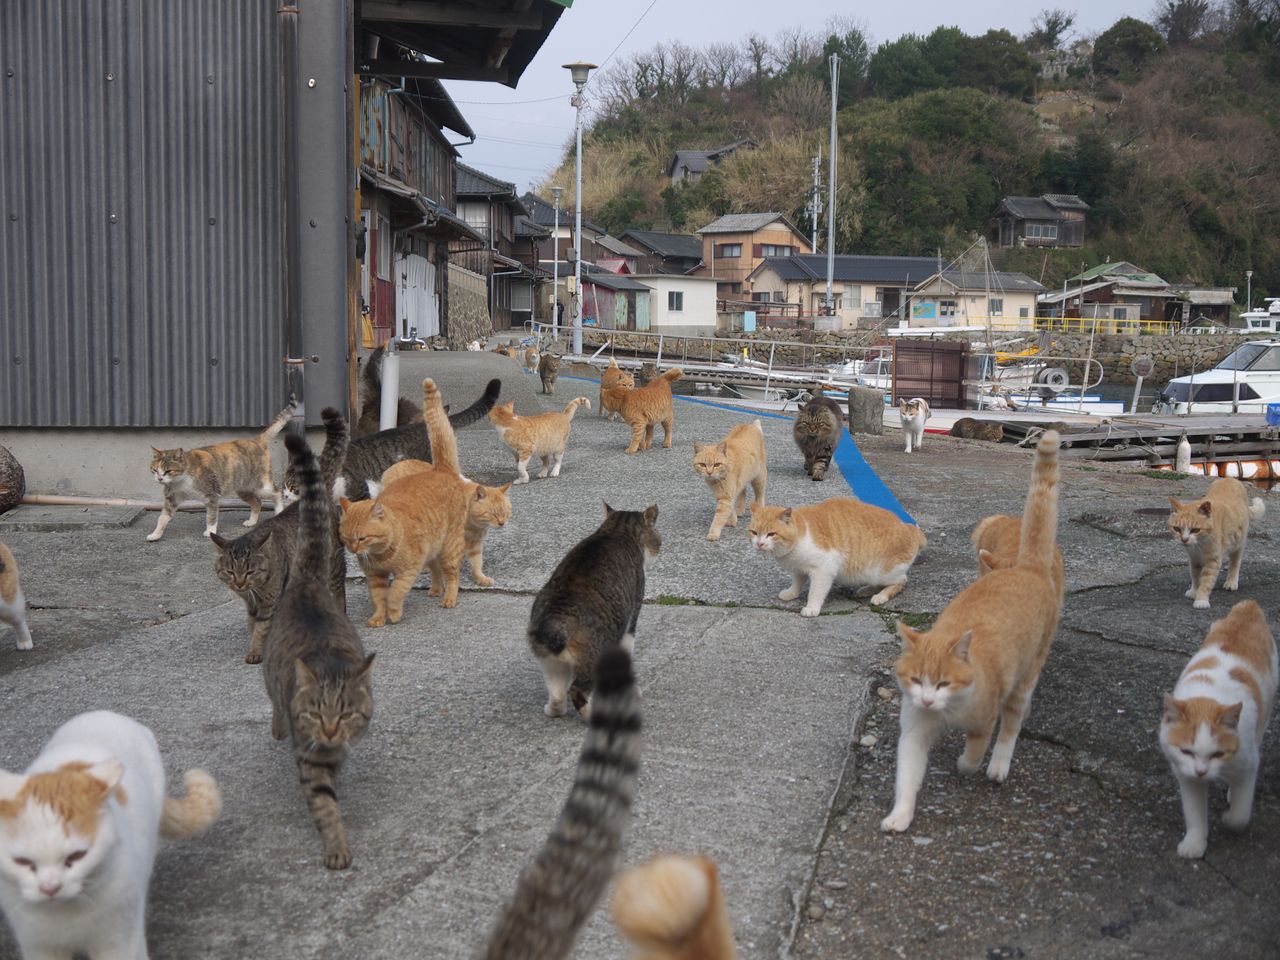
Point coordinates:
pixel 997 61
pixel 1049 29
pixel 950 58
pixel 759 56
pixel 849 43
pixel 1181 21
pixel 900 68
pixel 1125 49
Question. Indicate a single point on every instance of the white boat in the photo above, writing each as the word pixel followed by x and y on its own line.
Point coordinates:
pixel 1265 319
pixel 1251 372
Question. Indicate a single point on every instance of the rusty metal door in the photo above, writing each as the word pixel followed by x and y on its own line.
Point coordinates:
pixel 932 369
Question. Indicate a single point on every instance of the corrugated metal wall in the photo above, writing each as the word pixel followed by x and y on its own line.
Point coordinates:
pixel 140 229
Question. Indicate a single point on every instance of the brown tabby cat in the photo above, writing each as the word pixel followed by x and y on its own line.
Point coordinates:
pixel 967 428
pixel 13 607
pixel 591 604
pixel 817 434
pixel 371 399
pixel 643 407
pixel 613 376
pixel 256 565
pixel 544 436
pixel 840 540
pixel 1211 528
pixel 242 467
pixel 548 370
pixel 980 661
pixel 729 467
pixel 996 541
pixel 418 520
pixel 672 908
pixel 559 890
pixel 316 671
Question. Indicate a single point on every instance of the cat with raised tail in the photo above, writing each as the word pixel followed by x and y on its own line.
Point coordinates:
pixel 729 467
pixel 913 414
pixel 559 890
pixel 1215 719
pixel 13 606
pixel 242 467
pixel 644 407
pixel 672 908
pixel 1213 528
pixel 544 436
pixel 996 539
pixel 840 540
pixel 78 837
pixel 981 660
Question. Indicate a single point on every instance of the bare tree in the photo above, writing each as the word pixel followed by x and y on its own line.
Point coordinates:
pixel 759 55
pixel 795 48
pixel 722 65
pixel 1049 29
pixel 684 66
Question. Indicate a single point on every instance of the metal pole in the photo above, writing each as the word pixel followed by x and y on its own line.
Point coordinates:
pixel 1137 390
pixel 555 268
pixel 288 15
pixel 577 225
pixel 817 200
pixel 831 191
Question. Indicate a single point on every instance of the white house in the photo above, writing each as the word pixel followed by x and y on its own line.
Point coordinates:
pixel 963 298
pixel 681 304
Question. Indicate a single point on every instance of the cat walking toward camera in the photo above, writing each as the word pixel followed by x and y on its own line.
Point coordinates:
pixel 816 432
pixel 729 467
pixel 1215 719
pixel 913 414
pixel 1214 528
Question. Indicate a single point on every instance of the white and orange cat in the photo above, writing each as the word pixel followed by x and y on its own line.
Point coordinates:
pixel 13 606
pixel 729 467
pixel 840 540
pixel 1215 718
pixel 979 663
pixel 672 908
pixel 78 837
pixel 544 436
pixel 1212 528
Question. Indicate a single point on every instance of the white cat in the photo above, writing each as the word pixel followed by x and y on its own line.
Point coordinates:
pixel 13 607
pixel 913 413
pixel 1215 718
pixel 78 836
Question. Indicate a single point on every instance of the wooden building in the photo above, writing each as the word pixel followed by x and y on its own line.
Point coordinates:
pixel 737 243
pixel 1051 220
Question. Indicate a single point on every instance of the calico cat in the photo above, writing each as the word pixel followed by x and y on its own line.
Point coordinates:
pixel 613 376
pixel 559 890
pixel 368 457
pixel 315 668
pixel 672 908
pixel 487 507
pixel 242 467
pixel 642 407
pixel 78 837
pixel 817 434
pixel 840 540
pixel 548 370
pixel 967 428
pixel 980 661
pixel 729 467
pixel 418 520
pixel 1213 527
pixel 544 436
pixel 13 606
pixel 371 399
pixel 255 565
pixel 995 541
pixel 1215 719
pixel 914 414
pixel 591 604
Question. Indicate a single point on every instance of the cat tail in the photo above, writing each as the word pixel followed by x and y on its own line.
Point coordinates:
pixel 313 556
pixel 334 454
pixel 281 419
pixel 559 890
pixel 480 409
pixel 444 445
pixel 672 375
pixel 1040 518
pixel 192 814
pixel 1257 509
pixel 673 906
pixel 981 529
pixel 371 376
pixel 572 407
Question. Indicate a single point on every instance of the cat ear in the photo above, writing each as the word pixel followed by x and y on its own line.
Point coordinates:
pixel 698 447
pixel 987 560
pixel 1175 504
pixel 303 674
pixel 108 772
pixel 218 542
pixel 961 649
pixel 608 510
pixel 10 784
pixel 902 405
pixel 157 451
pixel 752 506
pixel 344 503
pixel 506 486
pixel 1229 717
pixel 1172 708
pixel 364 668
pixel 651 515
pixel 908 636
pixel 479 491
pixel 785 516
pixel 378 511
pixel 1206 508
pixel 722 446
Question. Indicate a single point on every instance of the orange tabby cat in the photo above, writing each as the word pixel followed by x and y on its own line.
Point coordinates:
pixel 728 467
pixel 840 540
pixel 982 658
pixel 645 406
pixel 613 376
pixel 996 541
pixel 545 436
pixel 672 908
pixel 486 507
pixel 418 520
pixel 1212 527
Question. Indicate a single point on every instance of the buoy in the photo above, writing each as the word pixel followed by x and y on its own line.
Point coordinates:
pixel 1182 461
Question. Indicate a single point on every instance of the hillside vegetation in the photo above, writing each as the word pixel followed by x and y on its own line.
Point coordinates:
pixel 1169 130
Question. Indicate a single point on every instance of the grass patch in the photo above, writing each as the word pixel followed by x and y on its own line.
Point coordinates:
pixel 1165 474
pixel 916 621
pixel 1089 469
pixel 667 600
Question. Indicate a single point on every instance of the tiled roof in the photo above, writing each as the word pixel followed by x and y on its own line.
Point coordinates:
pixel 854 268
pixel 680 245
pixel 614 245
pixel 544 213
pixel 1065 201
pixel 697 161
pixel 741 222
pixel 613 281
pixel 470 182
pixel 1046 207
pixel 527 227
pixel 996 280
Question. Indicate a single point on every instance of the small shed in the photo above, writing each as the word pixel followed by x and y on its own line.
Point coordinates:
pixel 681 304
pixel 614 302
pixel 1050 220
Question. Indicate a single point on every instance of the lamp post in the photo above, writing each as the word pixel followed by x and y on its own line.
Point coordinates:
pixel 1248 297
pixel 555 266
pixel 578 72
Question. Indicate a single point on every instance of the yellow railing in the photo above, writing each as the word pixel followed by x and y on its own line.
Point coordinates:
pixel 1103 326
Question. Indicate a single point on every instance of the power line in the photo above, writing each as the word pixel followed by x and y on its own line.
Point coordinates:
pixel 627 34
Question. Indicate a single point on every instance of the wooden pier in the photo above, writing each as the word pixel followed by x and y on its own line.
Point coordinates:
pixel 1154 438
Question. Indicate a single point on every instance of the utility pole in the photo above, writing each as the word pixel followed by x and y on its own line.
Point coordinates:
pixel 815 205
pixel 831 191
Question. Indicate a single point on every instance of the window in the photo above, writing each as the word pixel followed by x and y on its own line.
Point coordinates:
pixel 1268 361
pixel 760 298
pixel 776 250
pixel 779 297
pixel 675 301
pixel 1042 231
pixel 476 215
pixel 995 307
pixel 947 308
pixel 725 251
pixel 871 308
pixel 1119 313
pixel 384 248
pixel 1024 312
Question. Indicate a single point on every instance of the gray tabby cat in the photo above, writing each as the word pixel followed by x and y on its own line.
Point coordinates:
pixel 559 890
pixel 817 433
pixel 371 399
pixel 255 565
pixel 591 604
pixel 316 671
pixel 969 428
pixel 548 370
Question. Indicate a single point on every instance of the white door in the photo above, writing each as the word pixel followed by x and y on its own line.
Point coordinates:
pixel 417 304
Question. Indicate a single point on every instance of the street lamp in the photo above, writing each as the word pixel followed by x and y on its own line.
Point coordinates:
pixel 1248 297
pixel 555 266
pixel 579 73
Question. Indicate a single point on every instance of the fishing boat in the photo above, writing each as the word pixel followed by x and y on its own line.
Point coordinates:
pixel 1246 381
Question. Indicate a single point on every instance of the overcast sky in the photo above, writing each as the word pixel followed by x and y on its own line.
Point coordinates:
pixel 520 140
